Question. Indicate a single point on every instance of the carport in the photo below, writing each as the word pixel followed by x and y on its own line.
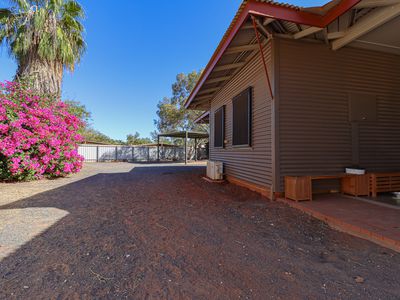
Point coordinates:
pixel 185 135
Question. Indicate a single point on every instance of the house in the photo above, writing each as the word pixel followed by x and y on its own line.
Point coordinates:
pixel 324 94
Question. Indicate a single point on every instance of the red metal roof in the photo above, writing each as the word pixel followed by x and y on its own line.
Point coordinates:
pixel 315 16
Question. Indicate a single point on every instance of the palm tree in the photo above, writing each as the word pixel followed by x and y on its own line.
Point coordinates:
pixel 44 37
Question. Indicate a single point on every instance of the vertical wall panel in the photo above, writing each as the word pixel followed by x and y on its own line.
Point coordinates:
pixel 252 164
pixel 89 153
pixel 104 153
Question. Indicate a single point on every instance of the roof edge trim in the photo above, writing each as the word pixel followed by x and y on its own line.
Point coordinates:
pixel 271 10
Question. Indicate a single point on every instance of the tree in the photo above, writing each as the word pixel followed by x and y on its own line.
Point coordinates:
pixel 88 133
pixel 135 139
pixel 92 135
pixel 79 110
pixel 44 37
pixel 154 136
pixel 172 114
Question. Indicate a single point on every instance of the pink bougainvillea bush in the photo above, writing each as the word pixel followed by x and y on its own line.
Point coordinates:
pixel 38 137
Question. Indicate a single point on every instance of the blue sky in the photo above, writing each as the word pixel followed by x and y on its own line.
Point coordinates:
pixel 135 50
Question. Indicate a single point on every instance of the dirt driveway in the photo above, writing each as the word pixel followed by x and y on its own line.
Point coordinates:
pixel 161 232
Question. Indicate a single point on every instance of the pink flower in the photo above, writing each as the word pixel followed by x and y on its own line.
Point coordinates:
pixel 15 167
pixel 40 138
pixel 4 128
pixel 68 167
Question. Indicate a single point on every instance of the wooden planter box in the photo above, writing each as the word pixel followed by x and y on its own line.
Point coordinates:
pixel 298 188
pixel 356 185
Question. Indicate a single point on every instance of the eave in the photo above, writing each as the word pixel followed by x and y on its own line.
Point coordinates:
pixel 317 17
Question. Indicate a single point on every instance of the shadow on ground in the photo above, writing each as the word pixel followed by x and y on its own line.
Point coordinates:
pixel 163 232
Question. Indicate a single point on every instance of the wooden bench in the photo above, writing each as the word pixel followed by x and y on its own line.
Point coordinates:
pixel 384 182
pixel 299 188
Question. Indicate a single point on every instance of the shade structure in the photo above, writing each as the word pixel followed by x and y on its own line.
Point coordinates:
pixel 196 135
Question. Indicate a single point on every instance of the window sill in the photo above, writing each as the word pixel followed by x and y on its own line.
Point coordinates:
pixel 233 148
pixel 242 147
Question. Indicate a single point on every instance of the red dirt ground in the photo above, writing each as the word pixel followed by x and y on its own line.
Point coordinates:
pixel 163 232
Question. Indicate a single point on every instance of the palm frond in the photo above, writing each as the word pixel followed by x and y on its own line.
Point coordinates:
pixel 54 6
pixel 74 9
pixel 49 30
pixel 5 14
pixel 22 5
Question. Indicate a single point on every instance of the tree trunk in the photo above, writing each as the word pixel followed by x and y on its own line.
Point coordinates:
pixel 44 77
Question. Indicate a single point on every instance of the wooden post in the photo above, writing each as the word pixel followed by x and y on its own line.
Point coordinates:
pixel 195 149
pixel 116 153
pixel 97 154
pixel 186 138
pixel 174 157
pixel 133 154
pixel 158 148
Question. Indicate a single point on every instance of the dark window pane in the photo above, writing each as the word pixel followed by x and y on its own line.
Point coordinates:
pixel 219 126
pixel 242 119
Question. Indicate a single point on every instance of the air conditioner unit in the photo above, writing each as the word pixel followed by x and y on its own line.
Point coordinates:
pixel 215 170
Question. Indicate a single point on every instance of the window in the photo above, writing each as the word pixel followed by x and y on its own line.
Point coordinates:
pixel 219 127
pixel 242 118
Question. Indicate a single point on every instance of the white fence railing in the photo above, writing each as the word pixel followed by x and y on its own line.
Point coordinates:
pixel 100 153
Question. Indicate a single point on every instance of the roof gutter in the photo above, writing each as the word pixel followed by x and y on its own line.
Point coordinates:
pixel 275 11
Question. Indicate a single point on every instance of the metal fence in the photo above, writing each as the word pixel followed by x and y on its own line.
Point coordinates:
pixel 99 153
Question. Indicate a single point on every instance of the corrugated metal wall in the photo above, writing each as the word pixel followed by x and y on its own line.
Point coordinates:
pixel 100 153
pixel 314 130
pixel 249 164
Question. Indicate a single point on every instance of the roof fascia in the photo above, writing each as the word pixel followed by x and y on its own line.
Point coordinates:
pixel 338 10
pixel 274 11
pixel 218 53
pixel 283 13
